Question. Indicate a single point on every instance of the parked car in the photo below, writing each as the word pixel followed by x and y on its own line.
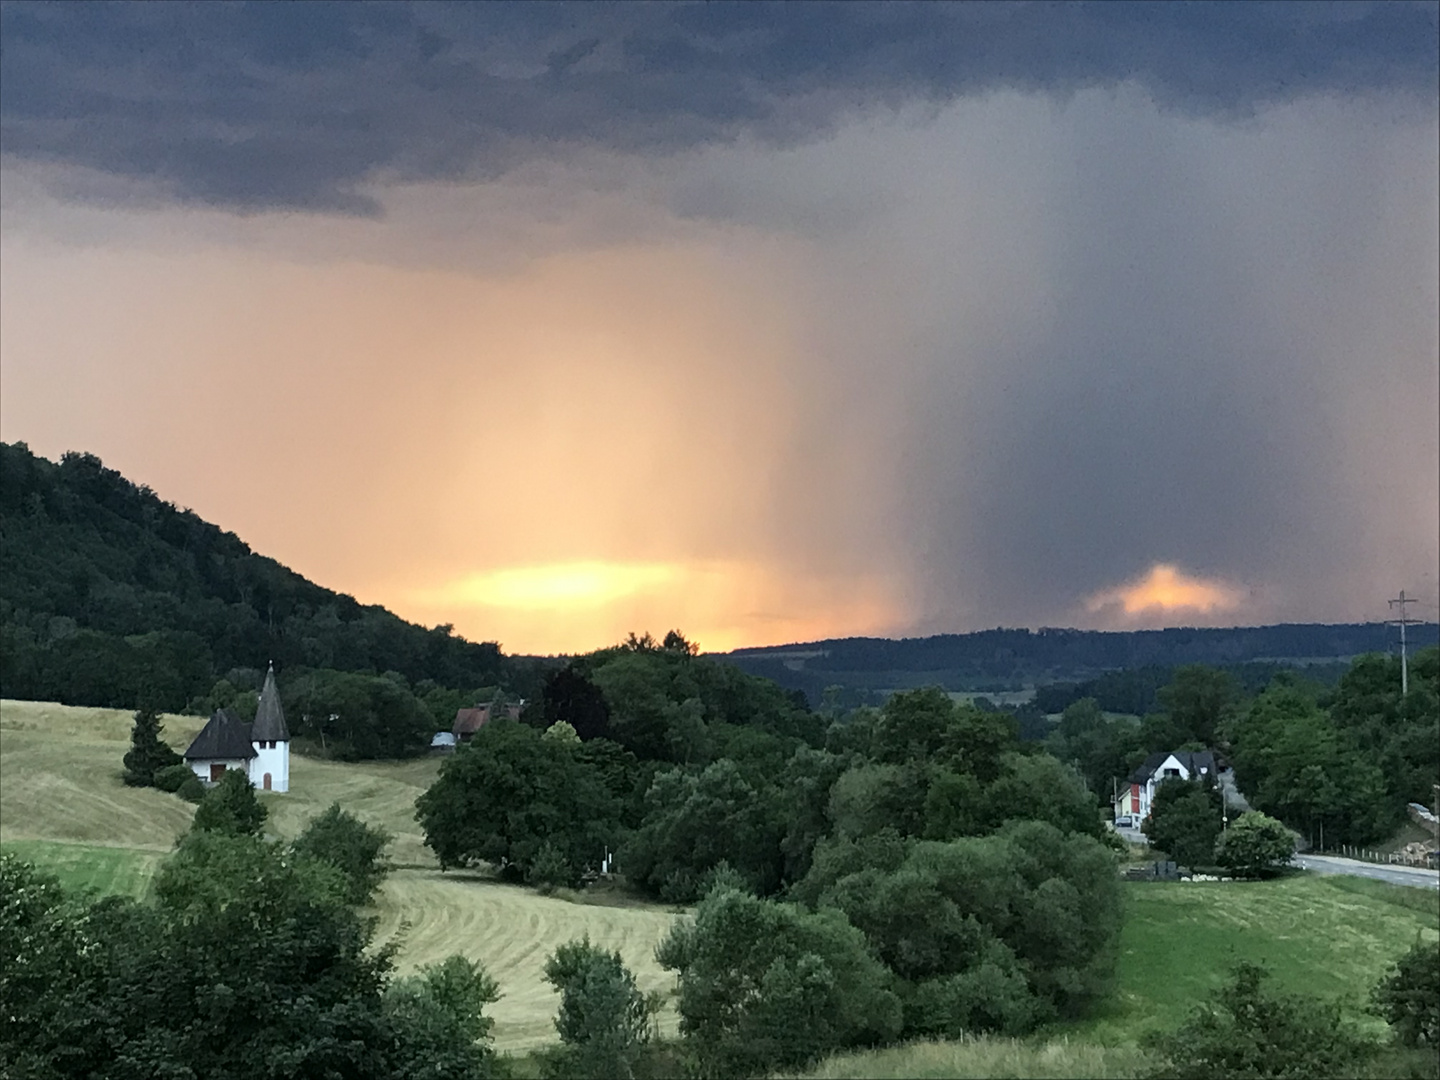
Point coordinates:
pixel 1125 821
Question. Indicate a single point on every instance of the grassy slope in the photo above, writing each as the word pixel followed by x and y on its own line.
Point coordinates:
pixel 63 806
pixel 1319 935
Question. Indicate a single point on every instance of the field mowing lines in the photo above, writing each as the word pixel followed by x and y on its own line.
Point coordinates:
pixel 512 931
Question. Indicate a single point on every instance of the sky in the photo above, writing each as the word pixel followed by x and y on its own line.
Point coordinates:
pixel 765 322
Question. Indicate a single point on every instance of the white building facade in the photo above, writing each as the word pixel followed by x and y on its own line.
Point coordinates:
pixel 261 749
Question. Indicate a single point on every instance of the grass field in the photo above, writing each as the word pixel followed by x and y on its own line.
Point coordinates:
pixel 1329 936
pixel 63 806
pixel 1000 1059
pixel 104 871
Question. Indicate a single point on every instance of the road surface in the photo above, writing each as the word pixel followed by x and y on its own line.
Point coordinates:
pixel 1395 875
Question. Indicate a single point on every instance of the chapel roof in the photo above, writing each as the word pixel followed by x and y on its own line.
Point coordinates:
pixel 269 716
pixel 224 737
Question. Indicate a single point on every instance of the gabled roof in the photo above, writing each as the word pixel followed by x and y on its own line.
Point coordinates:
pixel 469 721
pixel 1194 762
pixel 224 737
pixel 269 716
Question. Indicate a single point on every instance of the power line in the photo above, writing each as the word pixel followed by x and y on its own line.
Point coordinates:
pixel 1403 622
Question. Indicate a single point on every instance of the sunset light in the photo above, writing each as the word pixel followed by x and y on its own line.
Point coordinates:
pixel 562 586
pixel 1166 588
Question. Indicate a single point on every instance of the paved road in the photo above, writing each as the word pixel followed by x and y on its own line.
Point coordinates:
pixel 1396 875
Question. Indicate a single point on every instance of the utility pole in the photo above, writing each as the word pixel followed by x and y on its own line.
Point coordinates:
pixel 1403 622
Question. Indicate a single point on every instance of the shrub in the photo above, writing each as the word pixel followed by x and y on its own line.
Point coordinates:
pixel 604 1019
pixel 230 807
pixel 1247 1033
pixel 550 870
pixel 765 984
pixel 172 777
pixel 192 789
pixel 1255 845
pixel 1409 996
pixel 352 847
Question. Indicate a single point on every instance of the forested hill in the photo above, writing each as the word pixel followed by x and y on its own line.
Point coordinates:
pixel 107 590
pixel 1001 660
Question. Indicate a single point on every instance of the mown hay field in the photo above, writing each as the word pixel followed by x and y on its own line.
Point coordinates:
pixel 512 931
pixel 64 807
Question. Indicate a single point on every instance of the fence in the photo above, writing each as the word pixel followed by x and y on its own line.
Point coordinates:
pixel 1387 858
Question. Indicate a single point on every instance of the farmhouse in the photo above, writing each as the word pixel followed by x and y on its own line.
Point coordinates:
pixel 469 721
pixel 262 749
pixel 1133 801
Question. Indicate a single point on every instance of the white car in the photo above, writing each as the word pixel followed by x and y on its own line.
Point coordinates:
pixel 1125 821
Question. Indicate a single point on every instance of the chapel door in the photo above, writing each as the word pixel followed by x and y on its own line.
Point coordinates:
pixel 217 770
pixel 267 781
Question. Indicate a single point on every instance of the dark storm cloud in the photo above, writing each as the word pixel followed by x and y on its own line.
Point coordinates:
pixel 289 105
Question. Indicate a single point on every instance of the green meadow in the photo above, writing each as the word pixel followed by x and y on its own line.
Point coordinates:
pixel 63 807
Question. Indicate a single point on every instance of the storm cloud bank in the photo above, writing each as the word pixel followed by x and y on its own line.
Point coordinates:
pixel 559 321
pixel 299 106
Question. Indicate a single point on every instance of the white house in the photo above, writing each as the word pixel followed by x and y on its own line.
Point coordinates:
pixel 1133 801
pixel 262 749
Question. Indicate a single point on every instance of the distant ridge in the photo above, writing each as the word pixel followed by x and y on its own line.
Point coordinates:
pixel 1005 660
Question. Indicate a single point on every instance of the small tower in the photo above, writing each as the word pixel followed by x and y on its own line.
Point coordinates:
pixel 270 767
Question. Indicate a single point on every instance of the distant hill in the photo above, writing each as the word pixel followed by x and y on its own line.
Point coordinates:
pixel 107 591
pixel 999 661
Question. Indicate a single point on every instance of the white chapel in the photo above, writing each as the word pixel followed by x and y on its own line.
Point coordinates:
pixel 262 749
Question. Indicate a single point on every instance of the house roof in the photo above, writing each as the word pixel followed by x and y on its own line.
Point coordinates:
pixel 469 721
pixel 1193 762
pixel 224 737
pixel 269 716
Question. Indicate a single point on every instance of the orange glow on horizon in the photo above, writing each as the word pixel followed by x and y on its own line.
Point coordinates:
pixel 575 607
pixel 1165 589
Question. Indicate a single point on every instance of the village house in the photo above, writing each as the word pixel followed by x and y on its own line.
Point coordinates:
pixel 261 749
pixel 469 721
pixel 1132 802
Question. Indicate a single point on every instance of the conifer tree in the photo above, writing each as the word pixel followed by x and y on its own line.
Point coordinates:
pixel 148 752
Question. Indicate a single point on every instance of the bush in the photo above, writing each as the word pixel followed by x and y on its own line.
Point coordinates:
pixel 1409 997
pixel 172 777
pixel 1248 1033
pixel 550 870
pixel 604 1019
pixel 349 845
pixel 230 807
pixel 1255 845
pixel 765 985
pixel 192 789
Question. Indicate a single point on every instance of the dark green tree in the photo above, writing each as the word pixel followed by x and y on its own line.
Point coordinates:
pixel 1199 700
pixel 230 807
pixel 765 985
pixel 1408 997
pixel 1185 821
pixel 356 849
pixel 604 1019
pixel 148 752
pixel 509 793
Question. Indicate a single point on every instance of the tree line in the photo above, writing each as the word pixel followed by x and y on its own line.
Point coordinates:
pixel 1336 763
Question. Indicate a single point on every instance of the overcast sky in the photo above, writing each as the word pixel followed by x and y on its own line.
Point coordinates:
pixel 764 322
